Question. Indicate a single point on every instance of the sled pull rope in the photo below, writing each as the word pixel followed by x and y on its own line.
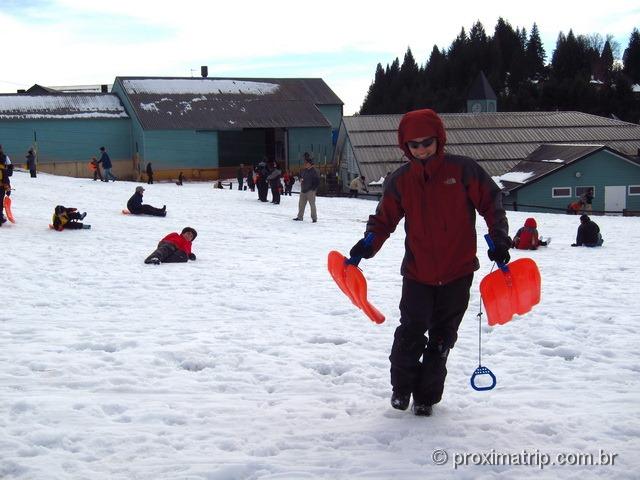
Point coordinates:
pixel 482 370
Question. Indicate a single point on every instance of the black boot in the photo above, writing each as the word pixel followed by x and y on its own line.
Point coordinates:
pixel 400 401
pixel 421 409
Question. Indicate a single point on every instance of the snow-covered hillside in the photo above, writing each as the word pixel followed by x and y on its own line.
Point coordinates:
pixel 250 363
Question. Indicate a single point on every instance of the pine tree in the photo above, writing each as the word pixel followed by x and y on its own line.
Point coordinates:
pixel 375 96
pixel 606 63
pixel 631 57
pixel 535 55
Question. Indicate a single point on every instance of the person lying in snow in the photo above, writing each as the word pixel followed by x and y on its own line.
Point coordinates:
pixel 67 218
pixel 174 248
pixel 527 237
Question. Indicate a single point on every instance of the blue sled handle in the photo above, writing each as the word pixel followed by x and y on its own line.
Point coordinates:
pixel 492 246
pixel 368 240
pixel 482 371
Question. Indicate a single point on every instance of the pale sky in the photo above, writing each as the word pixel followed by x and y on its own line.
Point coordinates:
pixel 82 42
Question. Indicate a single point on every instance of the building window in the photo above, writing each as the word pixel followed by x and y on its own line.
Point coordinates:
pixel 634 189
pixel 560 192
pixel 580 191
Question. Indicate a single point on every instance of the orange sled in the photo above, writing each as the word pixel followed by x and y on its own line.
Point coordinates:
pixel 353 284
pixel 511 291
pixel 7 209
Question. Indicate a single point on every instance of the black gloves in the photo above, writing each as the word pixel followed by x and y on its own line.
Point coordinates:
pixel 360 250
pixel 500 254
pixel 192 256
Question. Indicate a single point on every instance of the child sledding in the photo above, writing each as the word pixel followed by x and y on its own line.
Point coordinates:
pixel 527 237
pixel 67 218
pixel 174 248
pixel 135 206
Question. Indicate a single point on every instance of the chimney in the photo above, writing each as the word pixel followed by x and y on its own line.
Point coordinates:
pixel 104 88
pixel 204 71
pixel 22 90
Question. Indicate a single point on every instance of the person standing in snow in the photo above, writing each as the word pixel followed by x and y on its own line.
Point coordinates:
pixel 105 160
pixel 240 176
pixel 174 248
pixel 149 174
pixel 438 195
pixel 31 162
pixel 135 205
pixel 274 182
pixel 357 185
pixel 289 181
pixel 588 233
pixel 309 183
pixel 6 170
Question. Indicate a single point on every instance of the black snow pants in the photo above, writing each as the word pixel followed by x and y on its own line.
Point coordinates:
pixel 149 210
pixel 167 252
pixel 437 312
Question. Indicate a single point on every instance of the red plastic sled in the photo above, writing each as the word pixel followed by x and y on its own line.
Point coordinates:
pixel 511 292
pixel 353 284
pixel 7 209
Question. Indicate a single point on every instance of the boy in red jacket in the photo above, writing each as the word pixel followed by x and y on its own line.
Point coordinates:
pixel 438 195
pixel 174 248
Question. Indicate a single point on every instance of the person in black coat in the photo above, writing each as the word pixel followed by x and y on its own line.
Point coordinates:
pixel 149 174
pixel 588 233
pixel 135 205
pixel 31 162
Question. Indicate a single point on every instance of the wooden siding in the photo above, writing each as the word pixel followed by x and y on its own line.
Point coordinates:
pixel 316 141
pixel 67 140
pixel 598 170
pixel 167 149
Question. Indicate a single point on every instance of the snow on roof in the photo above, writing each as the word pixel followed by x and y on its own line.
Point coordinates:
pixel 514 177
pixel 555 160
pixel 377 182
pixel 636 88
pixel 61 106
pixel 198 86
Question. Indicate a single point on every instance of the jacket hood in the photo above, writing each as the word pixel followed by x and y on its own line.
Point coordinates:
pixel 421 123
pixel 530 222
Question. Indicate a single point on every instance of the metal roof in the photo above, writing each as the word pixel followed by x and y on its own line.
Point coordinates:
pixel 228 103
pixel 61 106
pixel 498 140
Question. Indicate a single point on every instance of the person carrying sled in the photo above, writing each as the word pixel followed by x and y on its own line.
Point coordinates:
pixel 6 170
pixel 438 195
pixel 67 218
pixel 174 248
pixel 135 205
pixel 588 233
pixel 526 237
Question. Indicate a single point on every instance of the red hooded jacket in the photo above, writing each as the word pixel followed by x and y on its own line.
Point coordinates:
pixel 438 199
pixel 179 241
pixel 527 237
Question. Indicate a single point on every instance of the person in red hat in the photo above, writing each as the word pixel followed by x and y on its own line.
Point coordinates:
pixel 438 195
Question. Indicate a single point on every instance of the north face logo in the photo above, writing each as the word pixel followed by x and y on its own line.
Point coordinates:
pixel 450 181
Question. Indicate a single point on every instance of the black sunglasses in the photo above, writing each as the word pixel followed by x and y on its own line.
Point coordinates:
pixel 426 143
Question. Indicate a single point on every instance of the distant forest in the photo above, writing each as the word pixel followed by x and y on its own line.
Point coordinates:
pixel 582 74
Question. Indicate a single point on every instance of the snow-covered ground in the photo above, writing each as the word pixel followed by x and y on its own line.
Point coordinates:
pixel 250 363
